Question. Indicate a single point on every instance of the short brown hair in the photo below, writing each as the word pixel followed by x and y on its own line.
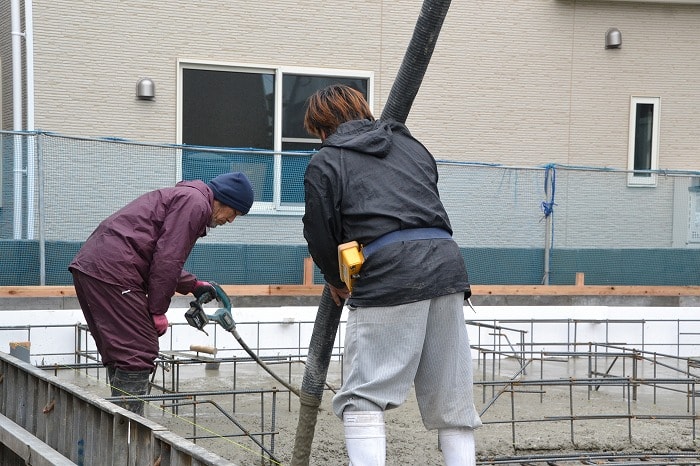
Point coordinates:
pixel 331 106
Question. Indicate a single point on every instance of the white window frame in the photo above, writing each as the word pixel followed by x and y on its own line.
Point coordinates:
pixel 632 179
pixel 694 215
pixel 276 205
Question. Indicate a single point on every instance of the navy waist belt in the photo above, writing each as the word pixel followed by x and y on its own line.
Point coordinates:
pixel 404 235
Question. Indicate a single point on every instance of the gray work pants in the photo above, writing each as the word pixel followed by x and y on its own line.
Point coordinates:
pixel 387 349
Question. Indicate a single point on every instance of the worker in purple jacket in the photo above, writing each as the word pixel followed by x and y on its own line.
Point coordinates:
pixel 132 264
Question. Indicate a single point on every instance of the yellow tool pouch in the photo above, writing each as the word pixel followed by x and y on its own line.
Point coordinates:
pixel 350 261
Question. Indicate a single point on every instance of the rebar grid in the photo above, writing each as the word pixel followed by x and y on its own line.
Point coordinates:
pixel 509 364
pixel 510 357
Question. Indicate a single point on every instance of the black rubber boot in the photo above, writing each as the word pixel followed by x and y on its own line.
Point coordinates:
pixel 110 373
pixel 130 383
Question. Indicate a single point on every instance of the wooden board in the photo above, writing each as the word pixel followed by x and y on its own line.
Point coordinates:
pixel 477 290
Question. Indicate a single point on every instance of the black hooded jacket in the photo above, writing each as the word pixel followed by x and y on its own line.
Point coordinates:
pixel 369 179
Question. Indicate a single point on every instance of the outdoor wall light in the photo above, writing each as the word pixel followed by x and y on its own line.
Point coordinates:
pixel 613 38
pixel 145 89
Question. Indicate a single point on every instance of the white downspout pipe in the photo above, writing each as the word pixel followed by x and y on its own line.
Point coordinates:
pixel 29 54
pixel 17 115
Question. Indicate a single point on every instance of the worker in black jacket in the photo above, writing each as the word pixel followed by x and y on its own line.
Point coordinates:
pixel 373 183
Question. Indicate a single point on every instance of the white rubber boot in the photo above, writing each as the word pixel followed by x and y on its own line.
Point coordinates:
pixel 365 437
pixel 457 445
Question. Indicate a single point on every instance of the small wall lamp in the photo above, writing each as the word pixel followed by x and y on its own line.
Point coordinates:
pixel 613 38
pixel 145 89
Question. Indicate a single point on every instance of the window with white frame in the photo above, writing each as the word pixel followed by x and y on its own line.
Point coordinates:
pixel 643 151
pixel 256 114
pixel 694 217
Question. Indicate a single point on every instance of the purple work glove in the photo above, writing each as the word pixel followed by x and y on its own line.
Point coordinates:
pixel 161 323
pixel 204 292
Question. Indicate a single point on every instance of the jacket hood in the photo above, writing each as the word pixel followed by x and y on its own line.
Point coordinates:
pixel 370 137
pixel 199 186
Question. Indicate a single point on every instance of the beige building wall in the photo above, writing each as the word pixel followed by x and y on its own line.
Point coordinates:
pixel 522 82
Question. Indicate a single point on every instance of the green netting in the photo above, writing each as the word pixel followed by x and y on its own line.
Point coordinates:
pixel 515 225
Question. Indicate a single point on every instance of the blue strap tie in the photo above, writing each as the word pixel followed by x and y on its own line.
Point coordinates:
pixel 404 235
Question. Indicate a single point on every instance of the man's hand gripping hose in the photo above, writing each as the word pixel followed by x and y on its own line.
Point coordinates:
pixel 198 318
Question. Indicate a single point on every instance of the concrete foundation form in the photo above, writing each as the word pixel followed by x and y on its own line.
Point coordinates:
pixel 569 376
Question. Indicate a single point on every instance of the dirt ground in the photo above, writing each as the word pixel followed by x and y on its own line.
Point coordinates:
pixel 609 418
